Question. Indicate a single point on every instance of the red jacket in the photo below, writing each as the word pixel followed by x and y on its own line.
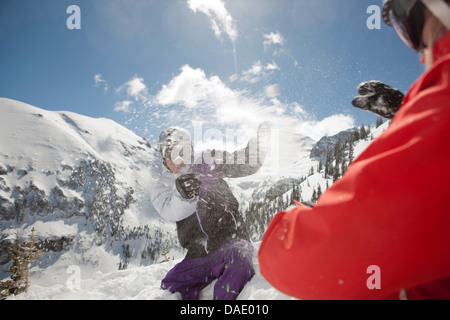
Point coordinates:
pixel 391 210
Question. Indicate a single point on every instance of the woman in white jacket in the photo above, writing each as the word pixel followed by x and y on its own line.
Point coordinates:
pixel 193 193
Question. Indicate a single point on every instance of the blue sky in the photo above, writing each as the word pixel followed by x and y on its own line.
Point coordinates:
pixel 148 64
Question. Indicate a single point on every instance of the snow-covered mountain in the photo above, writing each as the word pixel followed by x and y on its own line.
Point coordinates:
pixel 327 144
pixel 82 184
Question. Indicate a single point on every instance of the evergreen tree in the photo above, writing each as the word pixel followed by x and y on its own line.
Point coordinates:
pixel 295 194
pixel 379 122
pixel 350 152
pixel 363 132
pixel 319 191
pixel 343 168
pixel 328 165
pixel 22 256
pixel 336 172
pixel 339 151
pixel 314 196
pixel 17 269
pixel 355 136
pixel 32 254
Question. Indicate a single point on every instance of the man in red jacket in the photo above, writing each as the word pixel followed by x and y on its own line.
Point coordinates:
pixel 383 230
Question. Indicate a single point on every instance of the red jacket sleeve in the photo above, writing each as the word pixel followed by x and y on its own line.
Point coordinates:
pixel 391 209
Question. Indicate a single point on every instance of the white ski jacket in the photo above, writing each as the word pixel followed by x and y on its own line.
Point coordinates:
pixel 168 202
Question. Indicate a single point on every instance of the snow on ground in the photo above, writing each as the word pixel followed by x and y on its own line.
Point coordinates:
pixel 141 283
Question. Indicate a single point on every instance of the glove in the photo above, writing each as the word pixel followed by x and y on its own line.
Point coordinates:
pixel 188 186
pixel 378 98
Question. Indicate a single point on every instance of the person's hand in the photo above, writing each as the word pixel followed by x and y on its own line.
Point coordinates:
pixel 378 98
pixel 188 186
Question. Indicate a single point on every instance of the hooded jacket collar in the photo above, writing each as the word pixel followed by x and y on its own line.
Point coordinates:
pixel 442 47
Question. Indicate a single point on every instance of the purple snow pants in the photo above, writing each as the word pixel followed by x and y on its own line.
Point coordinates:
pixel 231 265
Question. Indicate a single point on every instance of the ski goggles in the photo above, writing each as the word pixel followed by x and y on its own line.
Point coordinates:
pixel 407 17
pixel 173 153
pixel 177 153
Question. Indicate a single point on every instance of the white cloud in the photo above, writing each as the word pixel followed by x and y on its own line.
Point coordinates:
pixel 272 66
pixel 136 89
pixel 215 102
pixel 273 39
pixel 275 42
pixel 221 20
pixel 195 91
pixel 123 106
pixel 298 109
pixel 99 81
pixel 190 88
pixel 326 127
pixel 258 71
pixel 192 97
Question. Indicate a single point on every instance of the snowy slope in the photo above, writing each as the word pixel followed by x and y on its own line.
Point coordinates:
pixel 361 145
pixel 82 184
pixel 141 283
pixel 40 141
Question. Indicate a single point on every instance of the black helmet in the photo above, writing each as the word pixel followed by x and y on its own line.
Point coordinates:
pixel 408 19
